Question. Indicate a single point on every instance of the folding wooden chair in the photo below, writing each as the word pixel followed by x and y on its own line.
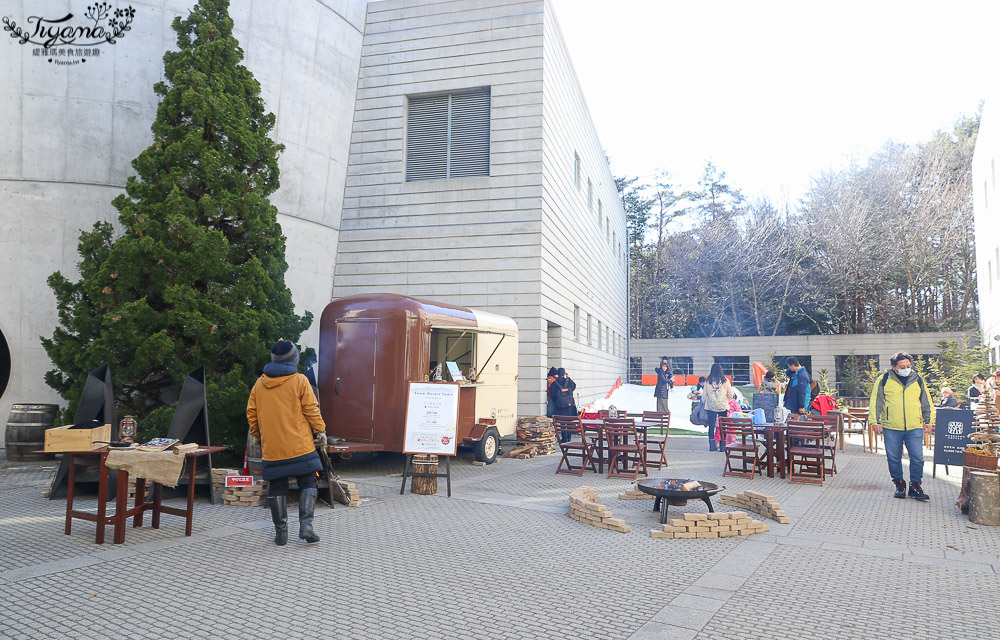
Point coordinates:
pixel 573 448
pixel 858 416
pixel 739 441
pixel 807 452
pixel 657 444
pixel 624 448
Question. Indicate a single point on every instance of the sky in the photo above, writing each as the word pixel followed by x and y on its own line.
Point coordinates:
pixel 775 92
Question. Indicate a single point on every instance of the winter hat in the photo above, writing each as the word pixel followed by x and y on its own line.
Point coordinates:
pixel 284 351
pixel 553 373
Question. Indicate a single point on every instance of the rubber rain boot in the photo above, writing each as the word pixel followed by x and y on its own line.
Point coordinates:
pixel 279 515
pixel 307 505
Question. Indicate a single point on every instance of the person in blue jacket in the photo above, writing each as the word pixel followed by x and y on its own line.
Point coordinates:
pixel 797 393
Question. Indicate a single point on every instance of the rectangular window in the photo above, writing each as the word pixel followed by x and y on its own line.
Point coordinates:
pixel 852 373
pixel 600 329
pixel 682 365
pixel 590 195
pixel 607 339
pixel 448 135
pixel 576 169
pixel 736 366
pixel 600 211
pixel 590 324
pixel 635 370
pixel 576 323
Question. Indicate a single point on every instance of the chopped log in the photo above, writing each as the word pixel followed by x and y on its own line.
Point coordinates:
pixel 984 498
pixel 424 464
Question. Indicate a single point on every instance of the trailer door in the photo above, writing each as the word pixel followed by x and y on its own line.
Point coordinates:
pixel 354 379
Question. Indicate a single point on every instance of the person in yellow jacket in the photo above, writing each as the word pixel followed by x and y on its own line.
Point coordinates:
pixel 900 409
pixel 283 413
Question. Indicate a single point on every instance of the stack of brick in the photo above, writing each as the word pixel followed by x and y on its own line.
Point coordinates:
pixel 352 492
pixel 710 525
pixel 253 496
pixel 758 503
pixel 219 478
pixel 635 494
pixel 583 507
pixel 535 436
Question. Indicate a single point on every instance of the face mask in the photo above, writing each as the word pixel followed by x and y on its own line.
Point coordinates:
pixel 904 372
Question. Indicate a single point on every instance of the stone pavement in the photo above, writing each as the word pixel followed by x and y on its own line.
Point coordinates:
pixel 501 559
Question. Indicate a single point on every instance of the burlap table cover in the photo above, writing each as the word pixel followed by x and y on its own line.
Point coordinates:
pixel 163 467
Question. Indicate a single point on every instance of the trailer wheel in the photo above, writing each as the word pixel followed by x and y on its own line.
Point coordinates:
pixel 487 448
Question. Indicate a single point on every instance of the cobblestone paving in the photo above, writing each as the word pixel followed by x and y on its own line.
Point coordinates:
pixel 500 559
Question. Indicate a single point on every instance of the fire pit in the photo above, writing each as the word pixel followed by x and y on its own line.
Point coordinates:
pixel 672 490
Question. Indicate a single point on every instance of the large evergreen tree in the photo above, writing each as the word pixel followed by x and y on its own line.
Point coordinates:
pixel 196 275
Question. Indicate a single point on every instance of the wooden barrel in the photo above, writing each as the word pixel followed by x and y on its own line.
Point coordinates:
pixel 26 427
pixel 424 464
pixel 984 498
pixel 254 461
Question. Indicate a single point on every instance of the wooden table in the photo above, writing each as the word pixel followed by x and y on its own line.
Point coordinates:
pixel 774 443
pixel 598 427
pixel 122 512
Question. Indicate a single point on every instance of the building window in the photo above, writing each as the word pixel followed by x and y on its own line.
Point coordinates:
pixel 635 370
pixel 590 323
pixel 600 211
pixel 600 328
pixel 576 169
pixel 448 135
pixel 607 228
pixel 607 339
pixel 682 365
pixel 576 323
pixel 738 367
pixel 590 195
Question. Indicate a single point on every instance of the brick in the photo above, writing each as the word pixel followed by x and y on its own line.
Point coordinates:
pixel 721 516
pixel 727 534
pixel 660 534
pixel 784 520
pixel 707 534
pixel 672 529
pixel 737 515
pixel 677 522
pixel 695 516
pixel 722 527
pixel 615 522
pixel 681 534
pixel 699 529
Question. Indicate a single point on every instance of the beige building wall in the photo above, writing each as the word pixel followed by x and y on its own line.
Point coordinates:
pixel 822 349
pixel 71 133
pixel 986 199
pixel 492 242
pixel 583 252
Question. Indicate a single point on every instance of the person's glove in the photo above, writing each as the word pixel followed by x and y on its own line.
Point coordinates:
pixel 320 439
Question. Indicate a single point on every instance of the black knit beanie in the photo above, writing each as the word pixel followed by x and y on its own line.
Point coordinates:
pixel 284 351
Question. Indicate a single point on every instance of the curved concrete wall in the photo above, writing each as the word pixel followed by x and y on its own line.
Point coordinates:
pixel 70 133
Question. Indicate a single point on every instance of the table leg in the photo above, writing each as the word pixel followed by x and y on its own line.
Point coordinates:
pixel 708 501
pixel 193 461
pixel 69 492
pixel 781 454
pixel 140 501
pixel 157 503
pixel 769 444
pixel 840 432
pixel 102 499
pixel 121 506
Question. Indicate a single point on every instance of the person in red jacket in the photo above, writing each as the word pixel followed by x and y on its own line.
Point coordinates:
pixel 283 413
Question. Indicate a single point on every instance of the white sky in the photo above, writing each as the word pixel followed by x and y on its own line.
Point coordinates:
pixel 774 92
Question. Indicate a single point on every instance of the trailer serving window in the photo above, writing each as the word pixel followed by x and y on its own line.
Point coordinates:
pixel 451 345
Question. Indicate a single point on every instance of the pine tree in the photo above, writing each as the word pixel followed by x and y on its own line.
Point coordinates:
pixel 197 274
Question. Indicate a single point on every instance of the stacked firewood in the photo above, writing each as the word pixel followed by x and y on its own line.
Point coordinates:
pixel 535 436
pixel 253 496
pixel 766 506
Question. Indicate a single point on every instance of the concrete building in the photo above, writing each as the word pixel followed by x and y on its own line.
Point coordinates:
pixel 695 356
pixel 476 178
pixel 528 226
pixel 986 203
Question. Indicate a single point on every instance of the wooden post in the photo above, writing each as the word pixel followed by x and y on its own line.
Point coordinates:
pixel 984 498
pixel 422 485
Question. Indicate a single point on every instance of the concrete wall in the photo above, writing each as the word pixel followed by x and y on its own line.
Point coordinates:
pixel 986 199
pixel 583 231
pixel 71 133
pixel 822 349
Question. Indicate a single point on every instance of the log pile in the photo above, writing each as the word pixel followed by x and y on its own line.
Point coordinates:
pixel 219 478
pixel 710 525
pixel 583 507
pixel 758 503
pixel 535 436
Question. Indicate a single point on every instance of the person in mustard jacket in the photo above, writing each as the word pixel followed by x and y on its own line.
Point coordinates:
pixel 900 409
pixel 283 413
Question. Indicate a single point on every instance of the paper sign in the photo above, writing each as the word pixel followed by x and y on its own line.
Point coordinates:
pixel 239 481
pixel 455 372
pixel 431 419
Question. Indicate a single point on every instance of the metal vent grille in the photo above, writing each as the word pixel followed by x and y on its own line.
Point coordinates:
pixel 448 136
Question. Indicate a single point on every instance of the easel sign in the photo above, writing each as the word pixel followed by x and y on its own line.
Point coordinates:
pixel 431 419
pixel 431 427
pixel 952 428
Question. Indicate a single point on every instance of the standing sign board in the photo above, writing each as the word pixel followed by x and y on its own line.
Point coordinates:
pixel 952 428
pixel 431 427
pixel 431 419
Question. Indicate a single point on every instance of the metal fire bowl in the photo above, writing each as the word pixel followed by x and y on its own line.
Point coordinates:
pixel 677 497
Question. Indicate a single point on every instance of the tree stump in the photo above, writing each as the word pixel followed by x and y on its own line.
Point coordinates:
pixel 424 464
pixel 984 498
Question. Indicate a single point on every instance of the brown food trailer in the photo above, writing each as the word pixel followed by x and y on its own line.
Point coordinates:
pixel 372 345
